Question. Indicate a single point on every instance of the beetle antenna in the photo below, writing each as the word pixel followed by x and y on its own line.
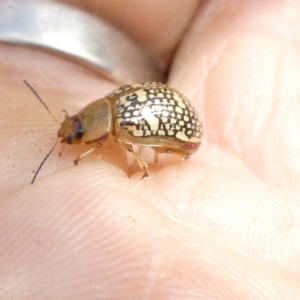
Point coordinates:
pixel 41 164
pixel 40 99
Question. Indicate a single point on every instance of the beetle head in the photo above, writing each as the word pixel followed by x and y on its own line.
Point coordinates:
pixel 70 131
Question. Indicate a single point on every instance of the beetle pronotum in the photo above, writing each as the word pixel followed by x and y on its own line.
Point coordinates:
pixel 147 114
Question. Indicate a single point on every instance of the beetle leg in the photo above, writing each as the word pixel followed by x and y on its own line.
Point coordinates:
pixel 182 154
pixel 62 148
pixel 81 156
pixel 141 163
pixel 64 114
pixel 155 157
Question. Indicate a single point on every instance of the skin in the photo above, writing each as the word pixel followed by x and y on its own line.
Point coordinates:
pixel 224 225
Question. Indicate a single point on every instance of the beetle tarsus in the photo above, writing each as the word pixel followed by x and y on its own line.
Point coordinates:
pixel 146 175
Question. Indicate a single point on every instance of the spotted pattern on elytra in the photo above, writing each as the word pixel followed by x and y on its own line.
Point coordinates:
pixel 156 110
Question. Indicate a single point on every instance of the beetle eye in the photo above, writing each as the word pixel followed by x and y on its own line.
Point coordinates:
pixel 77 129
pixel 69 138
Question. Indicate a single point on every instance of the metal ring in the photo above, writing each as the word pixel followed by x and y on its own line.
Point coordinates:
pixel 75 34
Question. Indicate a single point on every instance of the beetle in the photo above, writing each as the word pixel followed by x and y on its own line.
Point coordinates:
pixel 146 114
